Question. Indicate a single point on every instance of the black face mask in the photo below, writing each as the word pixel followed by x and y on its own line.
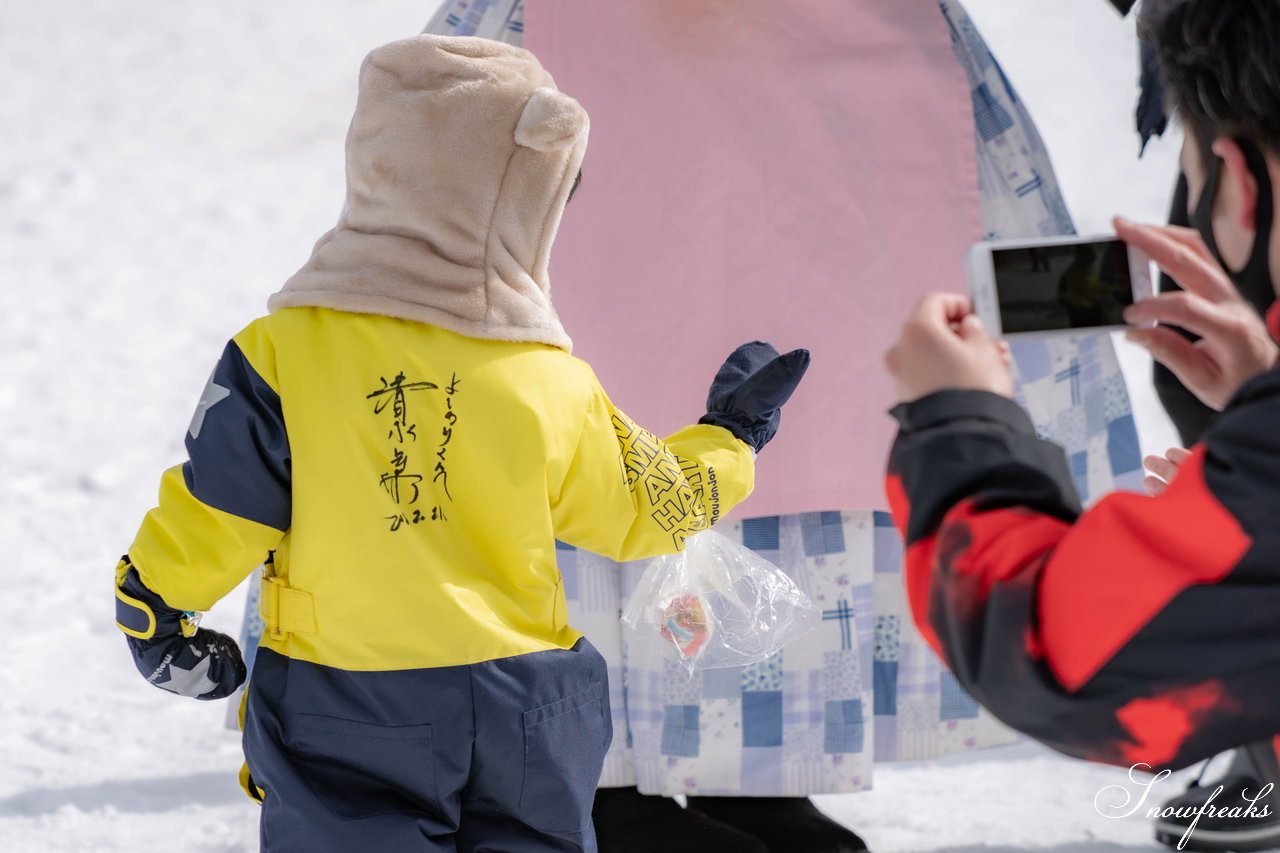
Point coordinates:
pixel 1253 281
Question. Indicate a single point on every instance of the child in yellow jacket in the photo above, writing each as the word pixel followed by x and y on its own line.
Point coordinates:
pixel 403 439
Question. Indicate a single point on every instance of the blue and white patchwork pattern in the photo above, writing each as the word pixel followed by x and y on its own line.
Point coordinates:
pixel 861 687
pixel 1076 396
pixel 502 20
pixel 1072 387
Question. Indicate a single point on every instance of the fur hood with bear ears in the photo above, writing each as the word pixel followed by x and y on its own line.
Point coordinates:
pixel 460 158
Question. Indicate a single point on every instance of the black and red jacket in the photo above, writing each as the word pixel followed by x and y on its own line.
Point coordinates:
pixel 1142 630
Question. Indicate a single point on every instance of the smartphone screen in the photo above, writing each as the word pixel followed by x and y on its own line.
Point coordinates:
pixel 1073 286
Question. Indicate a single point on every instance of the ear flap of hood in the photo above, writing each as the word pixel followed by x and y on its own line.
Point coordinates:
pixel 460 158
pixel 551 121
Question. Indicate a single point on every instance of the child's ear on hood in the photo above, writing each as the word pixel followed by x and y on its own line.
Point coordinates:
pixel 551 121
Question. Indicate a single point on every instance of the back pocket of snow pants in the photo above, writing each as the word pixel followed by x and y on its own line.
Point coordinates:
pixel 361 769
pixel 564 748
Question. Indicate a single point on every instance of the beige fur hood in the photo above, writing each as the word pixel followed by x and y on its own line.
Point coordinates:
pixel 460 157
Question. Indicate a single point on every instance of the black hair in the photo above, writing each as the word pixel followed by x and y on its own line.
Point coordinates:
pixel 1221 66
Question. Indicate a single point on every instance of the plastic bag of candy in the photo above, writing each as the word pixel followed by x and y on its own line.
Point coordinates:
pixel 718 604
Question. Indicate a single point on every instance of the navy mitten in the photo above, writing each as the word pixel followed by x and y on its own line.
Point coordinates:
pixel 168 649
pixel 747 394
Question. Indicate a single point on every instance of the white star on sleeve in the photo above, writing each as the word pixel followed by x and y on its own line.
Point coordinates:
pixel 213 395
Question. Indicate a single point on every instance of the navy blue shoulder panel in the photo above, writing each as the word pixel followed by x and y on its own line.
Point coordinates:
pixel 238 446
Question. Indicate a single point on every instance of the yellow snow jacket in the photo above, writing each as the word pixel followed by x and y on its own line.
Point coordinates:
pixel 407 431
pixel 412 483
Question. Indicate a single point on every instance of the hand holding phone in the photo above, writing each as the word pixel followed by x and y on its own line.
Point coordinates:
pixel 944 345
pixel 1057 286
pixel 1235 344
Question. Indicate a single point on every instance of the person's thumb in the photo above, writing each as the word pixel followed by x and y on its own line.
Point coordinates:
pixel 972 329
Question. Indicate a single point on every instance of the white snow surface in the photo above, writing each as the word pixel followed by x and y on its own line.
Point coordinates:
pixel 163 168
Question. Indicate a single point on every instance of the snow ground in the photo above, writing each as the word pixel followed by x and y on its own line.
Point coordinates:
pixel 163 167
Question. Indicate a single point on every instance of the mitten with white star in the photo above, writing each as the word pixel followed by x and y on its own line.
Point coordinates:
pixel 168 649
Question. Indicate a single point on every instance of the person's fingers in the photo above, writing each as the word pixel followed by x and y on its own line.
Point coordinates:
pixel 972 329
pixel 1183 258
pixel 935 321
pixel 1162 470
pixel 1160 467
pixel 940 308
pixel 1164 344
pixel 1193 313
pixel 1006 354
pixel 1190 238
pixel 1189 363
pixel 893 359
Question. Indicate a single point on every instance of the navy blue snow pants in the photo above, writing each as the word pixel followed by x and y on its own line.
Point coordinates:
pixel 496 757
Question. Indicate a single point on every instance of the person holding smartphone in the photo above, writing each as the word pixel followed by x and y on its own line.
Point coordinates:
pixel 1144 630
pixel 1253 766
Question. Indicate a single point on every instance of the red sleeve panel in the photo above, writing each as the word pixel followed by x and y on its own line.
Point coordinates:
pixel 1146 629
pixel 1124 561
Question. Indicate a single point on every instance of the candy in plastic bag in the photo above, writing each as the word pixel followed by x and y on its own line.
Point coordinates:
pixel 718 604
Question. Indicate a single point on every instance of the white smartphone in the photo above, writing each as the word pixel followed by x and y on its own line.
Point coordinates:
pixel 1056 285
